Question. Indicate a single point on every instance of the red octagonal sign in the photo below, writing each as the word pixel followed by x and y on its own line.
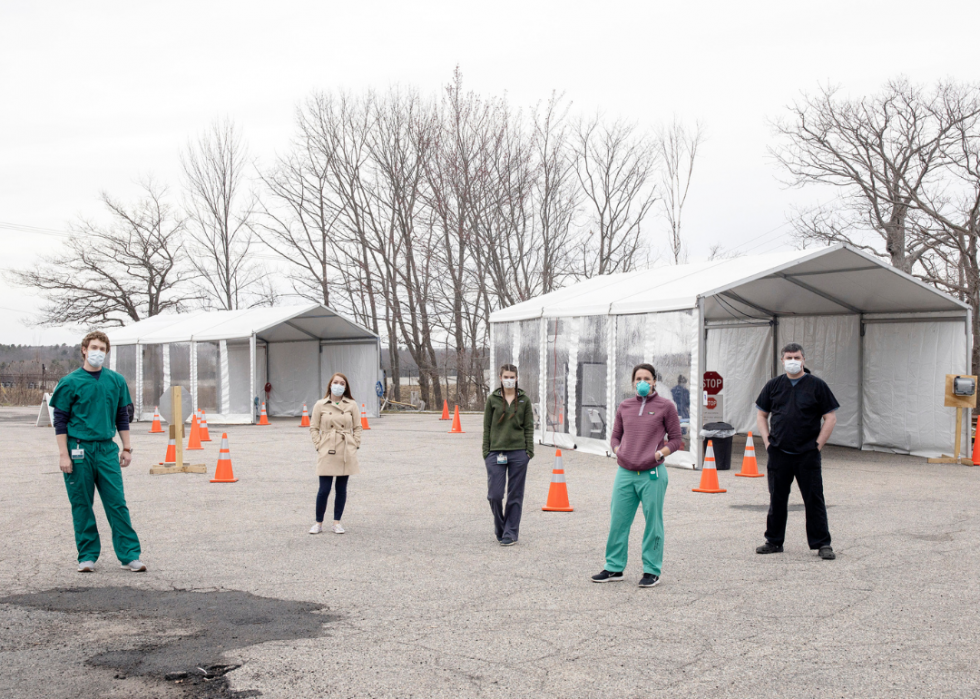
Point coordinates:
pixel 713 383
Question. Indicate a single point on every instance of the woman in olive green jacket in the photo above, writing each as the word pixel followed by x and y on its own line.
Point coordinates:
pixel 508 446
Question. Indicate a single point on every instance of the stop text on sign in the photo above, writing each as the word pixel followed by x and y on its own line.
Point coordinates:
pixel 712 383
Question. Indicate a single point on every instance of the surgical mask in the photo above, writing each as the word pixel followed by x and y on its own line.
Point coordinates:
pixel 96 358
pixel 337 389
pixel 793 366
pixel 509 383
pixel 643 388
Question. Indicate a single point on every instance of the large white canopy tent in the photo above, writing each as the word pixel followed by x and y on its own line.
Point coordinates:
pixel 225 358
pixel 882 340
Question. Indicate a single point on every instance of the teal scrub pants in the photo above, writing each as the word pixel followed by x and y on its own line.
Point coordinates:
pixel 630 489
pixel 99 468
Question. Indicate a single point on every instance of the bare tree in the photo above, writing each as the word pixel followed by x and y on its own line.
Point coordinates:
pixel 615 164
pixel 300 226
pixel 220 212
pixel 555 192
pixel 130 268
pixel 952 205
pixel 879 152
pixel 678 151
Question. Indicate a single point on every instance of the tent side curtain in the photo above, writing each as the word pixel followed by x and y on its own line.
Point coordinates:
pixel 905 367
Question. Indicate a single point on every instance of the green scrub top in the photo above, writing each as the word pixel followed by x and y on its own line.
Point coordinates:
pixel 91 403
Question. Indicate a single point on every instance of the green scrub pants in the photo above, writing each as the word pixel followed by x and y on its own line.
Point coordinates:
pixel 99 469
pixel 632 488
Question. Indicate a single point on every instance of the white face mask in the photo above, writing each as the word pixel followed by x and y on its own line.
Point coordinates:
pixel 793 366
pixel 509 383
pixel 337 389
pixel 96 358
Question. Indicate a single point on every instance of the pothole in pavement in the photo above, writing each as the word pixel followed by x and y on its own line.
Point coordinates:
pixel 197 662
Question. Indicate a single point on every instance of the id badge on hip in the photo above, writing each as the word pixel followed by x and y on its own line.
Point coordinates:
pixel 77 454
pixel 654 473
pixel 501 458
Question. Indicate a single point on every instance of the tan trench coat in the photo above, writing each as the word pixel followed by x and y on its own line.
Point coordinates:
pixel 336 429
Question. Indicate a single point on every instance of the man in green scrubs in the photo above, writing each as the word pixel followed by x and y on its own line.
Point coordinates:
pixel 90 405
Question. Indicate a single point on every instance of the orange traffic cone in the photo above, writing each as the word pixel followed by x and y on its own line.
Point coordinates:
pixel 194 439
pixel 305 420
pixel 224 473
pixel 171 457
pixel 364 422
pixel 976 450
pixel 264 417
pixel 709 474
pixel 558 492
pixel 155 428
pixel 445 410
pixel 750 468
pixel 457 428
pixel 205 437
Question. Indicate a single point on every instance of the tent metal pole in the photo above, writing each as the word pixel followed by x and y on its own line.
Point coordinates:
pixel 139 381
pixel 774 324
pixel 193 363
pixel 969 370
pixel 611 370
pixel 698 380
pixel 860 381
pixel 251 377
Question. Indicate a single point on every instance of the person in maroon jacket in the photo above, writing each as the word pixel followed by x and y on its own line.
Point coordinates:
pixel 638 436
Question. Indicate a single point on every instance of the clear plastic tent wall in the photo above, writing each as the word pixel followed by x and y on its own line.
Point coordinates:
pixel 587 371
pixel 225 359
pixel 882 340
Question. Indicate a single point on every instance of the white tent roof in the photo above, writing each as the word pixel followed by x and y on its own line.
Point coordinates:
pixel 824 281
pixel 275 324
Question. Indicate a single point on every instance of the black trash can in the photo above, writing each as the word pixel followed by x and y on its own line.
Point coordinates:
pixel 722 446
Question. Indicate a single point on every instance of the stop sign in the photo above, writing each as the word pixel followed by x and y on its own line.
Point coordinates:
pixel 713 383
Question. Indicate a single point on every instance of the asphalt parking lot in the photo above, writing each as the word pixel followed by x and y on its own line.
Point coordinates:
pixel 418 600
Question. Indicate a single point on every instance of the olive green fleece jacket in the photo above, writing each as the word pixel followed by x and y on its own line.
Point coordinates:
pixel 508 427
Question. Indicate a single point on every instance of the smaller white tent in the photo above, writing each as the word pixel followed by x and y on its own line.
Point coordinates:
pixel 224 359
pixel 882 340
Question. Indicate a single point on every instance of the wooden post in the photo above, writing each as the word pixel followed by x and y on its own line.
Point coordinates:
pixel 959 402
pixel 177 425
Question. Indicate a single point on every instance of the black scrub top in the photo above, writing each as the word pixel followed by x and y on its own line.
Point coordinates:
pixel 795 411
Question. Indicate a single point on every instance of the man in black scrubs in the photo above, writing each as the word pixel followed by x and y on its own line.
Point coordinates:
pixel 797 403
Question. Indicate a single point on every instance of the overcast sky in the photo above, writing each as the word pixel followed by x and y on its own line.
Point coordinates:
pixel 96 95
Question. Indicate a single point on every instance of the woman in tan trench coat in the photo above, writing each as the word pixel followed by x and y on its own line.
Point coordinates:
pixel 335 427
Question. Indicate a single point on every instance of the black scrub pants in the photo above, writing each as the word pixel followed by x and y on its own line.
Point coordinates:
pixel 805 468
pixel 507 477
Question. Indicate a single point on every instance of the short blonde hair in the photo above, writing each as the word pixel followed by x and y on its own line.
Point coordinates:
pixel 96 335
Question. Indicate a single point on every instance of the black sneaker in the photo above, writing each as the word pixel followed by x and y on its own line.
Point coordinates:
pixel 507 541
pixel 770 548
pixel 827 553
pixel 649 580
pixel 606 576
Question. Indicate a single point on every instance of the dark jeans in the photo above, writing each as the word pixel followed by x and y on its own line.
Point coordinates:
pixel 509 477
pixel 339 500
pixel 782 469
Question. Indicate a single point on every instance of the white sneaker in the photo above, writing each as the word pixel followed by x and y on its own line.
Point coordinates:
pixel 134 566
pixel 86 567
pixel 316 528
pixel 337 529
